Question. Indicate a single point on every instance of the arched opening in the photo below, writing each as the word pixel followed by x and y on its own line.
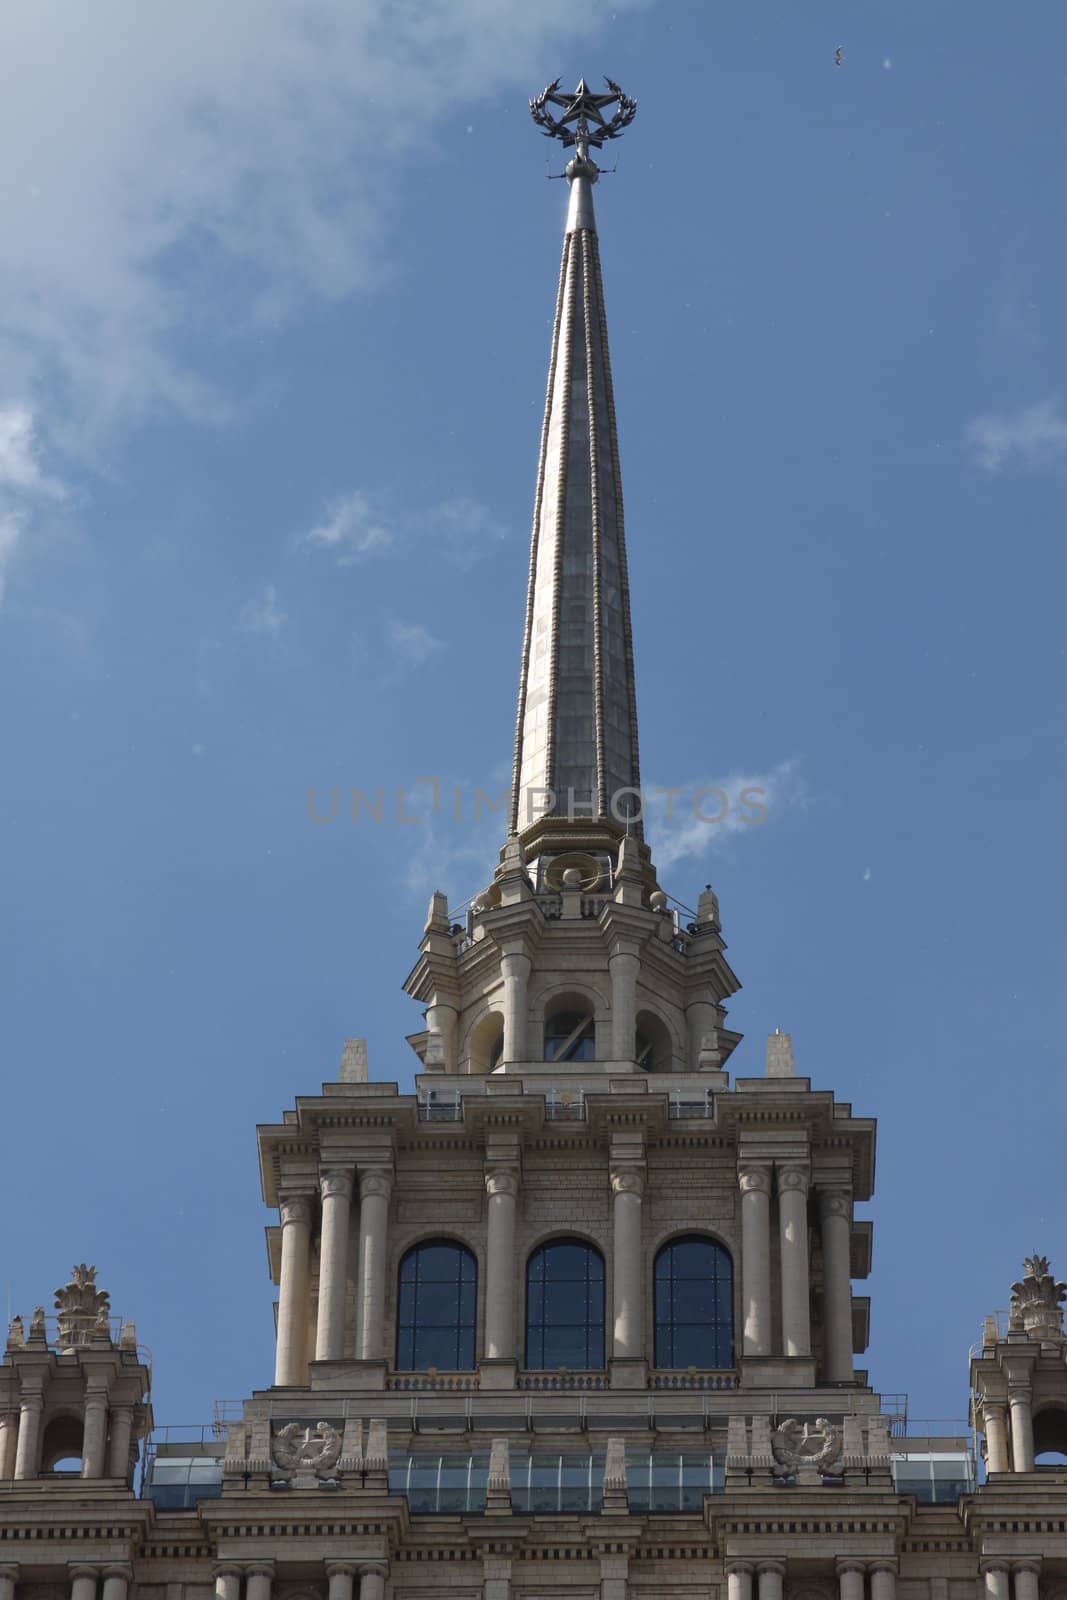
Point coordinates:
pixel 1050 1437
pixel 565 1307
pixel 570 1029
pixel 652 1043
pixel 436 1298
pixel 486 1043
pixel 694 1304
pixel 61 1445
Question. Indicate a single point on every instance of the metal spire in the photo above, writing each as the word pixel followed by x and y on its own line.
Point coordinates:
pixel 576 731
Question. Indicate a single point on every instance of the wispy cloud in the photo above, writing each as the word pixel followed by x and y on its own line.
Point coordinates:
pixel 696 819
pixel 263 614
pixel 465 528
pixel 1030 439
pixel 351 529
pixel 23 482
pixel 413 644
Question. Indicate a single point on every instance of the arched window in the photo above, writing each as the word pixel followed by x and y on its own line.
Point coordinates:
pixel 565 1307
pixel 570 1035
pixel 436 1308
pixel 694 1304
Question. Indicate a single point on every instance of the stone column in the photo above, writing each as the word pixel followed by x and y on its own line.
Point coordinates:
pixel 1022 1428
pixel 118 1450
pixel 1025 1575
pixel 793 1243
pixel 28 1451
pixel 441 1022
pixel 502 1187
pixel 9 1576
pixel 375 1187
pixel 258 1578
pixel 336 1187
pixel 995 1427
pixel 372 1576
pixel 116 1581
pixel 624 967
pixel 739 1580
pixel 290 1362
pixel 515 968
pixel 850 1584
pixel 94 1433
pixel 628 1273
pixel 769 1576
pixel 82 1581
pixel 995 1578
pixel 883 1580
pixel 227 1583
pixel 755 1183
pixel 703 1019
pixel 9 1432
pixel 341 1575
pixel 835 1210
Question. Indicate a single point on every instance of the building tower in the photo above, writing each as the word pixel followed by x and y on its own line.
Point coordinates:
pixel 575 1319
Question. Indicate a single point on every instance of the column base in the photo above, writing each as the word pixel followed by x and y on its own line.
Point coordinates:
pixel 347 1373
pixel 628 1372
pixel 497 1372
pixel 777 1372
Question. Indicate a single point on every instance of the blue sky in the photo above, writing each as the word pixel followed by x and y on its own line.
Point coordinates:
pixel 274 321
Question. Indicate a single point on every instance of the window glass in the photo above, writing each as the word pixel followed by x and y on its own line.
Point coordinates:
pixel 693 1298
pixel 565 1307
pixel 570 1036
pixel 436 1308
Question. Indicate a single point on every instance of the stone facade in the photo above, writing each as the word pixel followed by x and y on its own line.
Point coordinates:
pixel 575 1173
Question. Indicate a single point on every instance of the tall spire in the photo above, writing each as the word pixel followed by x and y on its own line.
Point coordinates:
pixel 576 731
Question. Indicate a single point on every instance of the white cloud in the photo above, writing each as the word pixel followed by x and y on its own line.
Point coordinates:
pixel 412 644
pixel 263 614
pixel 23 484
pixel 466 528
pixel 351 529
pixel 701 815
pixel 176 169
pixel 1031 439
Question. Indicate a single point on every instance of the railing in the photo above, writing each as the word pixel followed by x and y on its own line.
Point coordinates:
pixel 436 1108
pixel 559 1382
pixel 564 1107
pixel 692 1380
pixel 679 1106
pixel 432 1382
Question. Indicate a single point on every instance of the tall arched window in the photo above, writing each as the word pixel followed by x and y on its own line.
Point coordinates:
pixel 565 1307
pixel 694 1304
pixel 436 1308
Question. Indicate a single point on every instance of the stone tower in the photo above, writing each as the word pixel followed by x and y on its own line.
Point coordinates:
pixel 575 1319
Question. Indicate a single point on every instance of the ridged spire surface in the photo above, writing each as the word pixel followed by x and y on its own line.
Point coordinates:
pixel 576 732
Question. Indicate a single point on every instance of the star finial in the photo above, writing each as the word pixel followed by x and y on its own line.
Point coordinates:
pixel 581 121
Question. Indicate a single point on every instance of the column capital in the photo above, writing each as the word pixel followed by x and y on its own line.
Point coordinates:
pixel 754 1177
pixel 835 1200
pixel 227 1569
pixel 10 1569
pixel 994 1566
pixel 295 1208
pixel 794 1175
pixel 627 1180
pixel 739 1569
pixel 259 1569
pixel 777 1568
pixel 1031 1564
pixel 373 1569
pixel 343 1569
pixel 375 1182
pixel 502 1179
pixel 849 1564
pixel 31 1400
pixel 883 1564
pixel 337 1181
pixel 82 1569
pixel 117 1569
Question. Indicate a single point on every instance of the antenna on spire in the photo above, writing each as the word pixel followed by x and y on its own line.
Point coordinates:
pixel 582 122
